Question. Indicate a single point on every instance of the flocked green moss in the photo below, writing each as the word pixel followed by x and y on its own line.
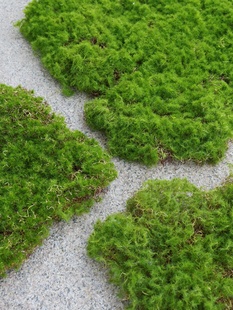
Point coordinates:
pixel 47 173
pixel 161 71
pixel 172 248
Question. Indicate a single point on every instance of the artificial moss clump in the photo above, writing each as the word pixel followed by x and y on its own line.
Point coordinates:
pixel 172 248
pixel 160 71
pixel 47 173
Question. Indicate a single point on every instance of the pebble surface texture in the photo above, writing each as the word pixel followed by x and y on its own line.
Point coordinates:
pixel 59 275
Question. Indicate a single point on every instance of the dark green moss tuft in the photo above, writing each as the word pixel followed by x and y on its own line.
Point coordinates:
pixel 172 248
pixel 47 173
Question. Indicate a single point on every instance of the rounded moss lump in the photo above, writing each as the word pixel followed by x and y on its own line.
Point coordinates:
pixel 47 173
pixel 172 248
pixel 160 71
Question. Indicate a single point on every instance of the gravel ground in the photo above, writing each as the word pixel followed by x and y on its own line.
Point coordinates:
pixel 59 275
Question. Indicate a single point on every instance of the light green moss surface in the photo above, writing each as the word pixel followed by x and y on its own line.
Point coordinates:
pixel 47 173
pixel 161 71
pixel 172 248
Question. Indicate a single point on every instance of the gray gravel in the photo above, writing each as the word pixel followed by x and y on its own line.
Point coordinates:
pixel 59 275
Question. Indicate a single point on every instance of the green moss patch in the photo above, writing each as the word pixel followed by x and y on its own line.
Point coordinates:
pixel 47 173
pixel 161 71
pixel 172 248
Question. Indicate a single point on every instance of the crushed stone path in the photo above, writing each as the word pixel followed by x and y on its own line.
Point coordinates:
pixel 59 275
